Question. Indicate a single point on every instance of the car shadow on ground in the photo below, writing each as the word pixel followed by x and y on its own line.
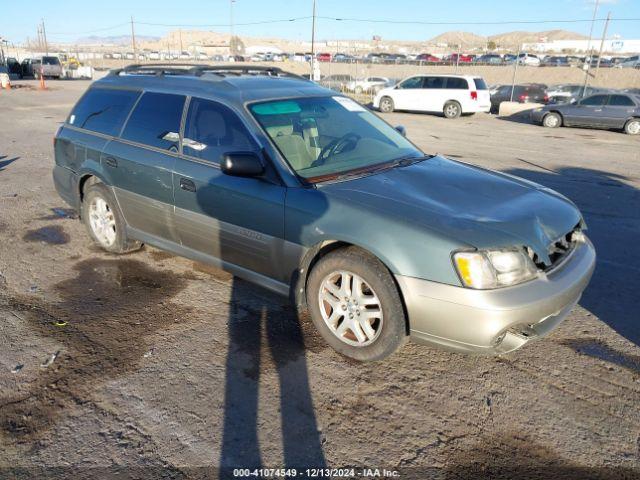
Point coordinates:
pixel 5 162
pixel 611 208
pixel 515 456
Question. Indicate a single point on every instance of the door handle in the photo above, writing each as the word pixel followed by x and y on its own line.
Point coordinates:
pixel 188 185
pixel 111 162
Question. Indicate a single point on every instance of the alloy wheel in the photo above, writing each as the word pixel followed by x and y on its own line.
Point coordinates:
pixel 102 221
pixel 350 308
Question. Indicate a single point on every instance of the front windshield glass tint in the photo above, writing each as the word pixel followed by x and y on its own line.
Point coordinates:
pixel 325 136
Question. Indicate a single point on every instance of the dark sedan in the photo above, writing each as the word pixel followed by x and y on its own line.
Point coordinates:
pixel 603 110
pixel 531 93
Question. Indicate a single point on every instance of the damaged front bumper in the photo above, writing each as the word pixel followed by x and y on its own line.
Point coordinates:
pixel 501 320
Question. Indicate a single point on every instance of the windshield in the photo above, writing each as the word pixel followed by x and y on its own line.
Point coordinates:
pixel 322 137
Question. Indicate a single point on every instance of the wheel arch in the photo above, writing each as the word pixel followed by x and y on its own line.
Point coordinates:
pixel 315 254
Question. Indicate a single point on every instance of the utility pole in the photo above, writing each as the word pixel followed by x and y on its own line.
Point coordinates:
pixel 604 37
pixel 313 41
pixel 588 64
pixel 133 41
pixel 44 36
pixel 180 36
pixel 231 33
pixel 515 72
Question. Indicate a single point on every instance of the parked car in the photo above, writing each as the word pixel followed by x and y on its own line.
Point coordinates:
pixel 458 58
pixel 570 93
pixel 13 66
pixel 338 82
pixel 451 95
pixel 489 59
pixel 529 93
pixel 602 110
pixel 369 84
pixel 554 61
pixel 528 59
pixel 26 67
pixel 509 58
pixel 427 58
pixel 48 66
pixel 154 55
pixel 323 57
pixel 633 62
pixel 305 192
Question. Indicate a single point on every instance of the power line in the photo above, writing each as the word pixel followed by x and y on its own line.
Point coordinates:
pixel 504 22
pixel 236 24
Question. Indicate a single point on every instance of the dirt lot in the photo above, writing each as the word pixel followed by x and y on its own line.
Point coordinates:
pixel 150 366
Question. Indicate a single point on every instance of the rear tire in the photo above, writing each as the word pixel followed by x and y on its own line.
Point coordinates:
pixel 632 127
pixel 552 120
pixel 355 305
pixel 452 109
pixel 104 222
pixel 386 105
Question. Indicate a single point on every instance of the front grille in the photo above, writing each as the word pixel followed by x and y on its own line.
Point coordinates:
pixel 558 250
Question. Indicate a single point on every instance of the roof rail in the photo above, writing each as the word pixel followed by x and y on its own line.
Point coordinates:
pixel 161 69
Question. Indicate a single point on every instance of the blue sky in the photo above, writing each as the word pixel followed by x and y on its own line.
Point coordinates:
pixel 67 20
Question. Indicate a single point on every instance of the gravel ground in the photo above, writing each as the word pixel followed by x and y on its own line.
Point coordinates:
pixel 150 365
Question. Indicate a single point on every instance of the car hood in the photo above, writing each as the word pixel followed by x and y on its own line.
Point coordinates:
pixel 468 204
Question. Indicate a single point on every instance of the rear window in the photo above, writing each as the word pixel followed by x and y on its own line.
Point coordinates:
pixel 620 101
pixel 480 85
pixel 103 110
pixel 457 83
pixel 156 121
pixel 50 61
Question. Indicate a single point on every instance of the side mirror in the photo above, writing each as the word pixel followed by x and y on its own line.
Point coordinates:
pixel 401 130
pixel 242 164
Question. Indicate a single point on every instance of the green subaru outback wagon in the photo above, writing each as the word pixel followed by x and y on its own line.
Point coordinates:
pixel 307 193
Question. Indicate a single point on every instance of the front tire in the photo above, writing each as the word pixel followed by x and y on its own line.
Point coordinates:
pixel 552 120
pixel 104 222
pixel 355 305
pixel 386 105
pixel 452 109
pixel 632 127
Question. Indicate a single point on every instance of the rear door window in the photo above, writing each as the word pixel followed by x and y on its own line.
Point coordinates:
pixel 211 130
pixel 620 101
pixel 155 121
pixel 457 83
pixel 103 110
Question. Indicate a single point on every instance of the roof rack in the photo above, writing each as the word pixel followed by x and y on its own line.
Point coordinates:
pixel 161 69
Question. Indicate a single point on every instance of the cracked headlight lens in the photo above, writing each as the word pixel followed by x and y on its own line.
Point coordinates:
pixel 494 268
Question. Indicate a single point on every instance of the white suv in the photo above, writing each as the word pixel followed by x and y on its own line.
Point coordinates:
pixel 453 95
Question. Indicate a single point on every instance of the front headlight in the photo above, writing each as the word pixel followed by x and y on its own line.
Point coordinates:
pixel 494 268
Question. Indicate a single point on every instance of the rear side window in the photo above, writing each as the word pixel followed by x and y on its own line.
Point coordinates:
pixel 480 85
pixel 620 101
pixel 434 82
pixel 211 130
pixel 156 121
pixel 457 83
pixel 103 110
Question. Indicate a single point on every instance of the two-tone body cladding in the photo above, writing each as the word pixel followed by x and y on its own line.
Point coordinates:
pixel 305 192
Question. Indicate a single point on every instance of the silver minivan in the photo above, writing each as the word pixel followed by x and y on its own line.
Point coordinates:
pixel 48 66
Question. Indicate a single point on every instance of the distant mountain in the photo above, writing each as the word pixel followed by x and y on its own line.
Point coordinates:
pixel 459 38
pixel 509 39
pixel 114 40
